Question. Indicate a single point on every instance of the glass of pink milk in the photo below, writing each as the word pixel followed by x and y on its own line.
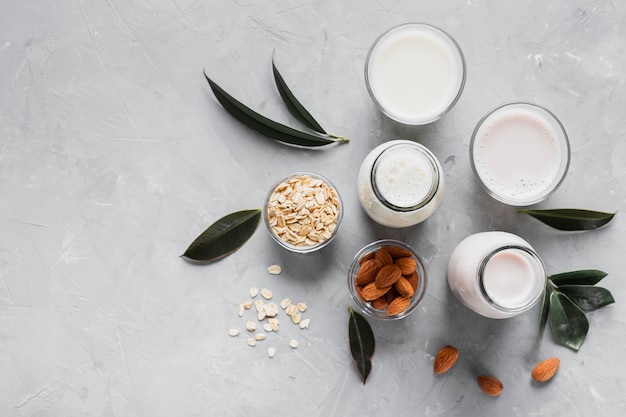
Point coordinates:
pixel 415 73
pixel 520 153
pixel 496 274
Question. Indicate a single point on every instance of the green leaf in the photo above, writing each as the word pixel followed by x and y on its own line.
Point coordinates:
pixel 586 297
pixel 570 219
pixel 267 126
pixel 224 236
pixel 294 106
pixel 362 343
pixel 581 277
pixel 545 311
pixel 568 322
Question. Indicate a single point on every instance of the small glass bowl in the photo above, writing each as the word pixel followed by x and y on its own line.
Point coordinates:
pixel 302 247
pixel 365 306
pixel 538 116
pixel 441 104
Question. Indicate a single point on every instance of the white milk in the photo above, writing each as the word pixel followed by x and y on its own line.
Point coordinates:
pixel 415 73
pixel 520 153
pixel 400 183
pixel 496 274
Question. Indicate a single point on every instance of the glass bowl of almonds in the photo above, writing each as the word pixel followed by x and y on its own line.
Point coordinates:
pixel 387 279
pixel 303 212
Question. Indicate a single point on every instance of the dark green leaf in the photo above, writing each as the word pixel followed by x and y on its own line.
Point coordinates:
pixel 570 219
pixel 362 343
pixel 568 322
pixel 267 126
pixel 294 106
pixel 224 236
pixel 586 297
pixel 545 311
pixel 581 277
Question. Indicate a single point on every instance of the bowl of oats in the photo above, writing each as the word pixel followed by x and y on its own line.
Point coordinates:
pixel 303 212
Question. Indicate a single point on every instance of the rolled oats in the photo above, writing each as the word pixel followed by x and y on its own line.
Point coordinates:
pixel 303 211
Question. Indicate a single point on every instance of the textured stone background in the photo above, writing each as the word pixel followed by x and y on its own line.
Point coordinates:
pixel 114 156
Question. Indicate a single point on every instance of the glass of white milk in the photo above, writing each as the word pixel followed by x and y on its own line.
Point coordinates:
pixel 400 183
pixel 415 73
pixel 519 153
pixel 496 274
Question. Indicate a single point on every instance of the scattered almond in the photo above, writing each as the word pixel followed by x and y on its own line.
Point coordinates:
pixel 545 369
pixel 491 385
pixel 445 358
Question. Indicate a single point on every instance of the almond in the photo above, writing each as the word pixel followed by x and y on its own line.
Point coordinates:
pixel 359 291
pixel 371 292
pixel 414 280
pixel 445 358
pixel 391 294
pixel 545 369
pixel 404 287
pixel 398 305
pixel 366 257
pixel 397 252
pixel 491 385
pixel 407 265
pixel 387 276
pixel 367 272
pixel 380 303
pixel 384 256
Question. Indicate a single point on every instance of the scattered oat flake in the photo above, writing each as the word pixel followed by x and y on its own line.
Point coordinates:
pixel 250 326
pixel 296 318
pixel 271 351
pixel 293 343
pixel 267 294
pixel 248 304
pixel 253 292
pixel 304 324
pixel 240 312
pixel 267 327
pixel 285 303
pixel 258 304
pixel 274 269
pixel 260 336
pixel 233 332
pixel 251 341
pixel 301 307
pixel 261 315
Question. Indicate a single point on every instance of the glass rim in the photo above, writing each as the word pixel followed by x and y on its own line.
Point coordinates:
pixel 433 188
pixel 455 46
pixel 531 301
pixel 564 164
pixel 286 245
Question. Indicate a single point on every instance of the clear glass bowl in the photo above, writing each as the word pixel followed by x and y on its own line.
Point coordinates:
pixel 535 181
pixel 389 51
pixel 302 247
pixel 365 306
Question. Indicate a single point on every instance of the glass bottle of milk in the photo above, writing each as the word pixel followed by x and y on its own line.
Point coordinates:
pixel 496 274
pixel 400 183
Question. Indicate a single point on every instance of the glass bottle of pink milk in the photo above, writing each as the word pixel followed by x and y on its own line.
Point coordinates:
pixel 496 274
